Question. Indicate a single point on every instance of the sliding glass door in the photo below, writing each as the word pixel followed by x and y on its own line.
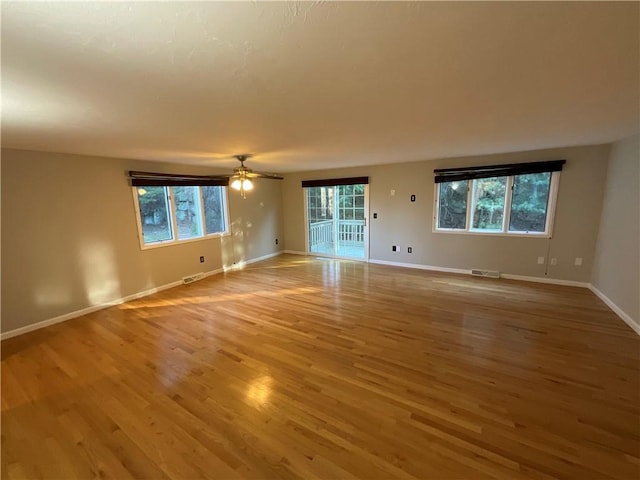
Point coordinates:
pixel 337 220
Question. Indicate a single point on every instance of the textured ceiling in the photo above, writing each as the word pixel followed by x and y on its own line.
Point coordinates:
pixel 316 85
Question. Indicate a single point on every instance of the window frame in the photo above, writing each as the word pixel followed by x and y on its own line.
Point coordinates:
pixel 174 221
pixel 468 230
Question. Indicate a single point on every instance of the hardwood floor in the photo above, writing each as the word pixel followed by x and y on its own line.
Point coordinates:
pixel 308 368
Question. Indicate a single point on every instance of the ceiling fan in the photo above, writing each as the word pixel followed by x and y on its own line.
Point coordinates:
pixel 241 178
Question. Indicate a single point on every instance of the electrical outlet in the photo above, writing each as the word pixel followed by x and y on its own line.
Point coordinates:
pixel 201 259
pixel 276 241
pixel 393 193
pixel 375 215
pixel 394 248
pixel 540 260
pixel 410 250
pixel 554 261
pixel 413 198
pixel 578 262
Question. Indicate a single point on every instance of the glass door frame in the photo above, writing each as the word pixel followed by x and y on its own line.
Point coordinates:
pixel 334 255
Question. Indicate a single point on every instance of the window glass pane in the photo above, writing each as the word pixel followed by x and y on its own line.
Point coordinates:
pixel 488 203
pixel 154 214
pixel 344 190
pixel 345 201
pixel 188 216
pixel 320 203
pixel 214 211
pixel 529 202
pixel 452 207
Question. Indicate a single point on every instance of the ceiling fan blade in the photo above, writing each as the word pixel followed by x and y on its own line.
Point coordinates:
pixel 272 176
pixel 243 172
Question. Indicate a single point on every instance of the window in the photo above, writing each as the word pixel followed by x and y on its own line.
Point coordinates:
pixel 320 204
pixel 488 197
pixel 188 212
pixel 452 205
pixel 529 202
pixel 214 209
pixel 351 202
pixel 168 215
pixel 472 201
pixel 155 216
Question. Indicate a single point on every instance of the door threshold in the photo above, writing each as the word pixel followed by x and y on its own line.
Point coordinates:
pixel 335 257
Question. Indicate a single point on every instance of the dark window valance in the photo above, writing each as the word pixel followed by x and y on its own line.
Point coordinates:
pixel 488 171
pixel 147 179
pixel 330 182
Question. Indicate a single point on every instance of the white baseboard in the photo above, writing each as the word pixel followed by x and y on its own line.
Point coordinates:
pixel 635 326
pixel 294 252
pixel 241 264
pixel 420 266
pixel 206 274
pixel 118 301
pixel 553 281
pixel 463 271
pixel 263 257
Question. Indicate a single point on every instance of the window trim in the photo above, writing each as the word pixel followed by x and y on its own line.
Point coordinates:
pixel 549 221
pixel 174 227
pixel 443 175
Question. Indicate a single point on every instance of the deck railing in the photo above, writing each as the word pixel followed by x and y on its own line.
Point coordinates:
pixel 349 233
pixel 320 234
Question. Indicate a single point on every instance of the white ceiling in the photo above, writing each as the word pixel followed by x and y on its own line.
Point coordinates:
pixel 316 85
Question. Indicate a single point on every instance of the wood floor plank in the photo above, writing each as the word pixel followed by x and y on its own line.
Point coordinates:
pixel 299 367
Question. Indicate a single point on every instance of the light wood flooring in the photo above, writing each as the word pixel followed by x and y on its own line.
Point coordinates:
pixel 309 368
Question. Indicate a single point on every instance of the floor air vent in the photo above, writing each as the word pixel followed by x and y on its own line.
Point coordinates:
pixel 485 273
pixel 192 278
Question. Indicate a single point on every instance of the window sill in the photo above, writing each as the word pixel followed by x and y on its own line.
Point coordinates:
pixel 494 234
pixel 211 236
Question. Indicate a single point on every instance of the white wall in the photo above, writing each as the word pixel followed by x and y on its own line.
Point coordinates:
pixel 70 241
pixel 401 222
pixel 616 272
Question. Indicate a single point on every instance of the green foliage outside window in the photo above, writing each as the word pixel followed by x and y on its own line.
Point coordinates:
pixel 453 204
pixel 529 203
pixel 154 214
pixel 489 196
pixel 213 209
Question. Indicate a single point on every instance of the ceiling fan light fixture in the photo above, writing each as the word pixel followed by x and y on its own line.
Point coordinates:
pixel 241 178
